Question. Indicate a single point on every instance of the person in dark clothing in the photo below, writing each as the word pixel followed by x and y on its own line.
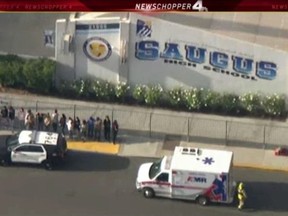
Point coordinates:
pixel 11 116
pixel 107 128
pixel 98 128
pixel 11 113
pixel 115 128
pixel 90 124
pixel 84 130
pixel 63 123
pixel 40 121
pixel 77 126
pixel 4 112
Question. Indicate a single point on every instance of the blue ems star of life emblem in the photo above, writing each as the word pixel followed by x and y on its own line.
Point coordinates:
pixel 208 161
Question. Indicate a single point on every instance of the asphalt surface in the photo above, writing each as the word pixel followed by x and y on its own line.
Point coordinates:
pixel 104 185
pixel 23 33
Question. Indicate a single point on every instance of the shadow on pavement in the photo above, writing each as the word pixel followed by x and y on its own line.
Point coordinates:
pixel 86 161
pixel 262 196
pixel 267 196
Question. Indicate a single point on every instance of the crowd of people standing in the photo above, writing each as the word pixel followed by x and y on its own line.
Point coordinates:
pixel 74 128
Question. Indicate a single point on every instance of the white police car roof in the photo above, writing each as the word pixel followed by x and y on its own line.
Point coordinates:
pixel 38 137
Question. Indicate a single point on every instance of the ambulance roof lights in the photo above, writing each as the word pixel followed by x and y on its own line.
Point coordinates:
pixel 191 151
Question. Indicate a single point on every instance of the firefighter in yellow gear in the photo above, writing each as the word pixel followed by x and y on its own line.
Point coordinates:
pixel 242 196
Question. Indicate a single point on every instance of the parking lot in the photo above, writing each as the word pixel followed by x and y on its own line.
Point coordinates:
pixel 100 184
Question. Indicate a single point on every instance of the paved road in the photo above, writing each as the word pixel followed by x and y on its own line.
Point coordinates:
pixel 97 184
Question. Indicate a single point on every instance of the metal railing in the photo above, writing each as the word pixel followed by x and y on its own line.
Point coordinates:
pixel 156 124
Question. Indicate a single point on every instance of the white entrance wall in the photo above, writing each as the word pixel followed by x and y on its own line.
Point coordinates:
pixel 147 50
pixel 169 54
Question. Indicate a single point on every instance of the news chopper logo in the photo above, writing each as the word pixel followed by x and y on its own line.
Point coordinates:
pixel 194 6
pixel 143 28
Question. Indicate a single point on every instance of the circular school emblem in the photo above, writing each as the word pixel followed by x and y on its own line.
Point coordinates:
pixel 97 49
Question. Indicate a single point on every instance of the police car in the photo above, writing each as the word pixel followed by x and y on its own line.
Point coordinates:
pixel 34 147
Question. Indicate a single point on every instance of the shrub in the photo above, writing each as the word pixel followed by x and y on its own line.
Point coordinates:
pixel 192 99
pixel 153 95
pixel 97 87
pixel 83 88
pixel 138 93
pixel 211 101
pixel 252 103
pixel 109 92
pixel 10 58
pixel 39 74
pixel 76 85
pixel 11 71
pixel 121 91
pixel 176 97
pixel 103 90
pixel 6 76
pixel 230 104
pixel 274 105
pixel 66 89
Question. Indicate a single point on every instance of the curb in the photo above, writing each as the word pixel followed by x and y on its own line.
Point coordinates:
pixel 99 147
pixel 260 167
pixel 238 165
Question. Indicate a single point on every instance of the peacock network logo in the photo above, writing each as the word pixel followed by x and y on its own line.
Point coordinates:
pixel 97 49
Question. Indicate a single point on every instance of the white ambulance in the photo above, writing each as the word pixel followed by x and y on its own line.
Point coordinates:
pixel 203 175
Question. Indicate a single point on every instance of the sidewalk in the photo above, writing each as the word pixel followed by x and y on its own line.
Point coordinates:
pixel 243 157
pixel 93 146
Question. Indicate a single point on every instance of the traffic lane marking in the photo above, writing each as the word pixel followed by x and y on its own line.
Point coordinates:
pixel 101 147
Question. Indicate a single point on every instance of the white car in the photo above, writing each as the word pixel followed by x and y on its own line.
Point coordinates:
pixel 34 147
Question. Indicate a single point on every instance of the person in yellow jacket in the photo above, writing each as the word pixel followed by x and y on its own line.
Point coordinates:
pixel 242 196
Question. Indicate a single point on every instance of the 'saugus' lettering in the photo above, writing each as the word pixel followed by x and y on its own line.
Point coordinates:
pixel 242 67
pixel 171 52
pixel 219 60
pixel 266 70
pixel 147 50
pixel 195 54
